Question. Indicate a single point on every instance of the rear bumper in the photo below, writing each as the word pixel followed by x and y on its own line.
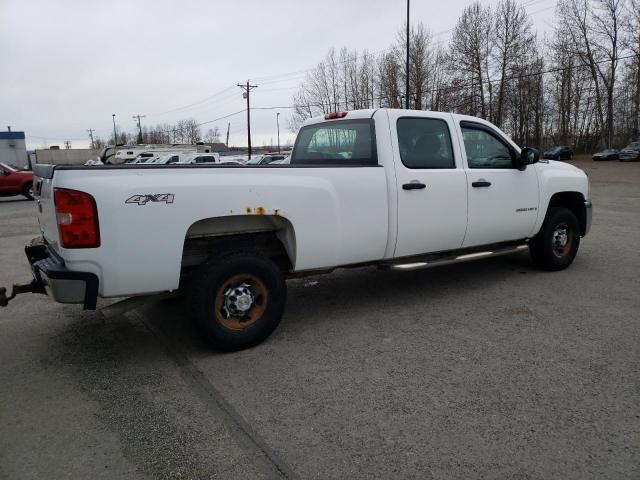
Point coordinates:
pixel 588 210
pixel 60 283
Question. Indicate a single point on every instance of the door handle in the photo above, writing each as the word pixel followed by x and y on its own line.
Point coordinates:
pixel 481 183
pixel 413 186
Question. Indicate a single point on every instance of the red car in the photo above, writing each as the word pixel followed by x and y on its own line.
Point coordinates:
pixel 14 182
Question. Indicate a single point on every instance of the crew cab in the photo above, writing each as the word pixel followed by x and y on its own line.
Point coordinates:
pixel 398 189
pixel 14 182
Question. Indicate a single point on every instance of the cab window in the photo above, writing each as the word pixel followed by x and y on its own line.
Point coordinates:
pixel 425 143
pixel 484 149
pixel 344 142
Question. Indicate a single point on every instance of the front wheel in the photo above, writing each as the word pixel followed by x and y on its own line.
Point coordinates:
pixel 27 191
pixel 237 300
pixel 556 244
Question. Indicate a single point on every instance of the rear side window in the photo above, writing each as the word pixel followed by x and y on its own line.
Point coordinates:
pixel 344 142
pixel 425 143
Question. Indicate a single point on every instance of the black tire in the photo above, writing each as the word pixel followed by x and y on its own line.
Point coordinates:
pixel 546 249
pixel 27 190
pixel 214 286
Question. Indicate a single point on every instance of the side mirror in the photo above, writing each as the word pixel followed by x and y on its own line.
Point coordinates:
pixel 528 156
pixel 6 173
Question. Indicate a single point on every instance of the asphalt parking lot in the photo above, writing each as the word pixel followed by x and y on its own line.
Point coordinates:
pixel 490 369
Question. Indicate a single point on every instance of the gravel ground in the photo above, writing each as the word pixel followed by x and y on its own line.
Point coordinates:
pixel 490 369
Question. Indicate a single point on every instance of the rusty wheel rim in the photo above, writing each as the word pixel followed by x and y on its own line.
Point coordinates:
pixel 561 240
pixel 240 301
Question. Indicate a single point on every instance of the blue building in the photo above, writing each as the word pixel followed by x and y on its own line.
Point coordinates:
pixel 13 149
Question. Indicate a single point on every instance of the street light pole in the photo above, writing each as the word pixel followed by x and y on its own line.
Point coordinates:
pixel 115 134
pixel 278 123
pixel 406 91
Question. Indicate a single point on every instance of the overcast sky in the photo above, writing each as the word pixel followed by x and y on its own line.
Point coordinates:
pixel 67 65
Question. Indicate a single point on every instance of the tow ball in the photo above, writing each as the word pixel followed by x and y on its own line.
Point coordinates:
pixel 17 289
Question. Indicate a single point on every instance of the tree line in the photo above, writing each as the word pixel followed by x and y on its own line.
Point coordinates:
pixel 185 131
pixel 578 85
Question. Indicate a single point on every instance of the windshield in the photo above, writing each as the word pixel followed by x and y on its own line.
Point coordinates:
pixel 7 167
pixel 633 146
pixel 255 160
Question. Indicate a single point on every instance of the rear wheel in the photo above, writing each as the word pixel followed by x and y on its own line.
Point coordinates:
pixel 237 300
pixel 556 245
pixel 27 190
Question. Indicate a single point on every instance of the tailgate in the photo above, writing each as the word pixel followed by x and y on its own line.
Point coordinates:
pixel 43 193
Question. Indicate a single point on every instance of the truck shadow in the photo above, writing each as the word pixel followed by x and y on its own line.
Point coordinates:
pixel 330 300
pixel 131 364
pixel 326 301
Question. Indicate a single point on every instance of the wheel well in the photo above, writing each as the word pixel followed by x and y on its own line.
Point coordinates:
pixel 268 235
pixel 574 201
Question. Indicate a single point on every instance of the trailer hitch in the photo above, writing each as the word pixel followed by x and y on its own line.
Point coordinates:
pixel 17 289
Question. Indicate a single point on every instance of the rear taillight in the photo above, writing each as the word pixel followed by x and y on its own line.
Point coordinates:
pixel 77 218
pixel 334 115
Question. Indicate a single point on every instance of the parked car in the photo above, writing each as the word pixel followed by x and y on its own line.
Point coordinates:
pixel 14 182
pixel 398 189
pixel 630 152
pixel 559 153
pixel 198 158
pixel 265 159
pixel 608 154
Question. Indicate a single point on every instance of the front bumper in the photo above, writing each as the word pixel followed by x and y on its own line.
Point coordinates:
pixel 61 284
pixel 588 210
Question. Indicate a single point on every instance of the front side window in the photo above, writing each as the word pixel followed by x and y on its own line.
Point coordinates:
pixel 425 143
pixel 344 142
pixel 484 150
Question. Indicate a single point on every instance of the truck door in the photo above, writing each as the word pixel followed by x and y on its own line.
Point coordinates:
pixel 431 183
pixel 503 201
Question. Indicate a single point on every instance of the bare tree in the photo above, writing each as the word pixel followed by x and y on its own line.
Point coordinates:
pixel 632 28
pixel 512 45
pixel 594 28
pixel 212 135
pixel 469 54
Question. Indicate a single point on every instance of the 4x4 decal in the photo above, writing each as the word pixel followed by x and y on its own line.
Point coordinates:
pixel 154 197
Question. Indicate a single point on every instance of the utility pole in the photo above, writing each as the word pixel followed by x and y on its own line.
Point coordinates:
pixel 67 145
pixel 139 127
pixel 246 94
pixel 115 134
pixel 406 90
pixel 90 130
pixel 278 123
pixel 228 127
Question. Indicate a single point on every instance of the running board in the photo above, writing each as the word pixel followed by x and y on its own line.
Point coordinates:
pixel 448 260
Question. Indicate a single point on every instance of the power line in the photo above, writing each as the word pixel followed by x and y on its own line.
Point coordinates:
pixel 194 103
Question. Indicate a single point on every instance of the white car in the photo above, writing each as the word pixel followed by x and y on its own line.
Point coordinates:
pixel 397 189
pixel 198 158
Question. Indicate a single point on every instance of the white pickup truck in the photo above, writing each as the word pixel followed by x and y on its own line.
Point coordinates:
pixel 399 189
